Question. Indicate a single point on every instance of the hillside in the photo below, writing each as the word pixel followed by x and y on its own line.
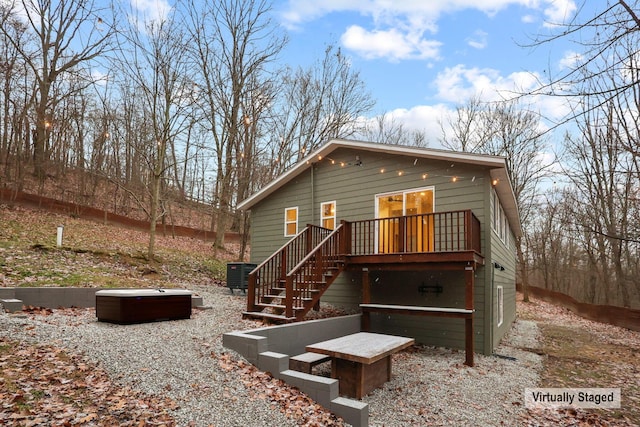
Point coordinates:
pixel 93 254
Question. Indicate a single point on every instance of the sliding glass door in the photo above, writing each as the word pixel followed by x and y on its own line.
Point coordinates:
pixel 411 234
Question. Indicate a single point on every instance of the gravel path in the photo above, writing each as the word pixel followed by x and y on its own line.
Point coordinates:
pixel 180 360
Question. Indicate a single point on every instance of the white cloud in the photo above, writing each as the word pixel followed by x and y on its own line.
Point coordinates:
pixel 478 40
pixel 457 85
pixel 559 11
pixel 391 44
pixel 397 28
pixel 150 11
pixel 570 59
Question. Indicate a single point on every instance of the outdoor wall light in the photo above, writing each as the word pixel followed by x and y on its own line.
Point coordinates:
pixel 498 266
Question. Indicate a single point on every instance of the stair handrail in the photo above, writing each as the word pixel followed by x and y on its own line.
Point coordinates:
pixel 290 275
pixel 313 251
pixel 252 279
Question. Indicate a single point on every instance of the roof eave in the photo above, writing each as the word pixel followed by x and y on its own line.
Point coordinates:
pixel 334 144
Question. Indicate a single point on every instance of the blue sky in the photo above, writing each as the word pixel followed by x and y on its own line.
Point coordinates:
pixel 421 58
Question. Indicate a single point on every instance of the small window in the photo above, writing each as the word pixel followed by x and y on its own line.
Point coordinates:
pixel 328 215
pixel 500 296
pixel 290 221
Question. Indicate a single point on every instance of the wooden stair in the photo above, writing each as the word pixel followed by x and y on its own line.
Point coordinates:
pixel 290 293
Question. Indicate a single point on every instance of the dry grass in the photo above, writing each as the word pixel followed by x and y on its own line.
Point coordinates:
pixel 95 254
pixel 584 354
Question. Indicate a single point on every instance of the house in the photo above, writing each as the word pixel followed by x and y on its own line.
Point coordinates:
pixel 421 240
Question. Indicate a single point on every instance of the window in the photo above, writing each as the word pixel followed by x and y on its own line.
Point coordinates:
pixel 500 223
pixel 328 215
pixel 500 297
pixel 290 221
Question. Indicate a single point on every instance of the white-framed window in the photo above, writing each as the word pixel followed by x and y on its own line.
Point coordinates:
pixel 499 223
pixel 290 221
pixel 500 298
pixel 328 215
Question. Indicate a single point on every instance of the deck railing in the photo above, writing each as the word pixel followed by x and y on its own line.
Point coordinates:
pixel 424 233
pixel 272 272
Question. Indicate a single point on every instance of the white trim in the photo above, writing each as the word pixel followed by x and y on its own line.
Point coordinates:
pixel 334 216
pixel 287 222
pixel 500 302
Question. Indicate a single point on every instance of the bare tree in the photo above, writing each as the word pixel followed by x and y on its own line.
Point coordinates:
pixel 602 44
pixel 467 129
pixel 322 102
pixel 604 182
pixel 16 95
pixel 386 129
pixel 507 129
pixel 70 34
pixel 234 44
pixel 602 86
pixel 156 66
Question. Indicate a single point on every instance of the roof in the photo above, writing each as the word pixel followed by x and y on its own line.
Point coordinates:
pixel 496 164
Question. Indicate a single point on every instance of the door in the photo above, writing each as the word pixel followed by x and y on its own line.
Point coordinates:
pixel 411 233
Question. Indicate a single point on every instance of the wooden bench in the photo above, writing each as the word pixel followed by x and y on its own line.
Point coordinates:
pixel 306 361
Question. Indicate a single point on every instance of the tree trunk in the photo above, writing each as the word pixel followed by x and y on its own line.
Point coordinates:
pixel 523 270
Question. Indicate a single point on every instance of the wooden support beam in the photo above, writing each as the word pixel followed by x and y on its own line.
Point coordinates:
pixel 469 279
pixel 366 299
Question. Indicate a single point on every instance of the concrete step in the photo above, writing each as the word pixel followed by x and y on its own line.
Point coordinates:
pixel 11 305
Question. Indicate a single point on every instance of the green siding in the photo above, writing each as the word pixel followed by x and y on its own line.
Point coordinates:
pixel 345 292
pixel 504 255
pixel 354 188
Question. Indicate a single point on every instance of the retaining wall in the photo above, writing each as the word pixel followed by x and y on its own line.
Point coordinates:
pixel 269 350
pixel 60 297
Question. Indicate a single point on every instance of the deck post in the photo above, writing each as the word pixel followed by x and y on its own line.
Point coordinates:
pixel 288 299
pixel 309 235
pixel 366 299
pixel 469 274
pixel 345 241
pixel 251 292
pixel 468 231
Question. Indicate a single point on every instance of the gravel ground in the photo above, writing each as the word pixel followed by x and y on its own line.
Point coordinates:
pixel 179 360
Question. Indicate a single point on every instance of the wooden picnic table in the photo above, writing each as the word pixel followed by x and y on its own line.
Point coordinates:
pixel 362 361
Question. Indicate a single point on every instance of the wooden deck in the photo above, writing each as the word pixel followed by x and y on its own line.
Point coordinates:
pixel 290 283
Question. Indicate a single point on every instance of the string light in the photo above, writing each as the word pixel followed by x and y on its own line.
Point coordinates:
pixel 402 172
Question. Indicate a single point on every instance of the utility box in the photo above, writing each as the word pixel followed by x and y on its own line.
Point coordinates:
pixel 238 275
